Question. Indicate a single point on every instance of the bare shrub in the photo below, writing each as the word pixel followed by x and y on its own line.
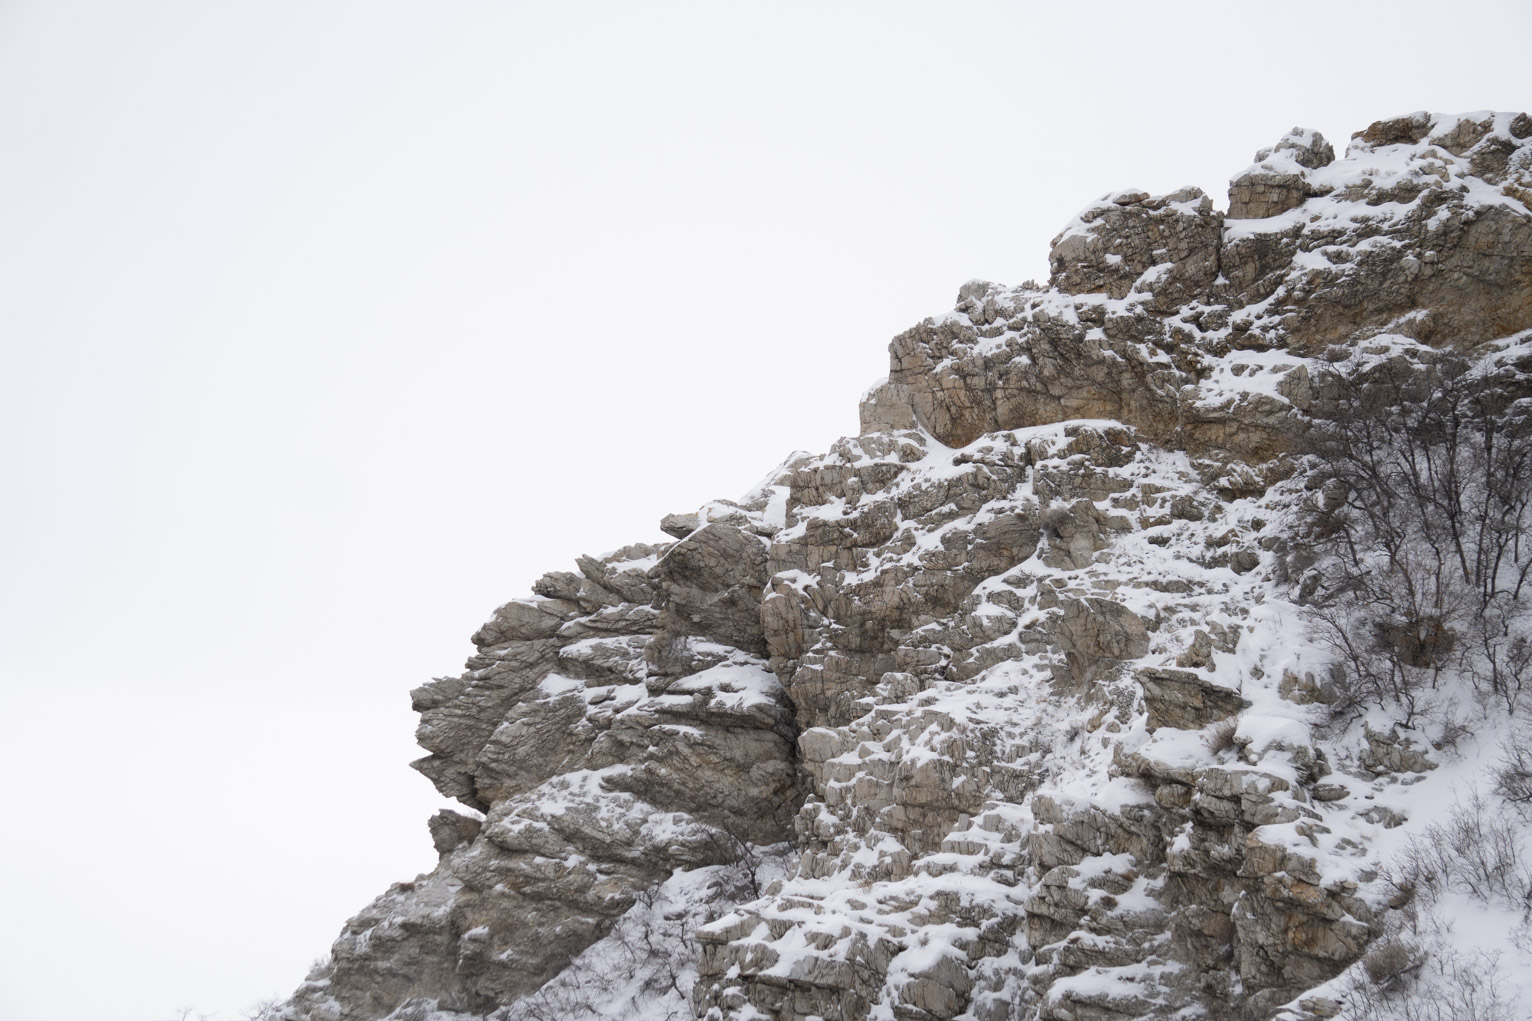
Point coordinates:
pixel 1513 773
pixel 1411 549
pixel 1390 962
pixel 1414 972
pixel 646 963
pixel 268 1009
pixel 189 1014
pixel 642 969
pixel 1440 986
pixel 1477 851
pixel 1521 937
pixel 1055 519
pixel 1220 736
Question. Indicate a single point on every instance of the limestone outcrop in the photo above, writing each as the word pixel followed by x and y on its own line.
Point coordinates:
pixel 996 710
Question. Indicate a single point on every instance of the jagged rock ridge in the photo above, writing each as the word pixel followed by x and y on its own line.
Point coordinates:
pixel 925 727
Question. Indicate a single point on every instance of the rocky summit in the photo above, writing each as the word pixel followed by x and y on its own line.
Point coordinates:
pixel 1015 704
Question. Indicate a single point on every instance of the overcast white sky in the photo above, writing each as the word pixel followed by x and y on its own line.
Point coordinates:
pixel 326 327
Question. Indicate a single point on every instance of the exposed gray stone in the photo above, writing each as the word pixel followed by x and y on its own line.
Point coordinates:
pixel 896 670
pixel 1186 700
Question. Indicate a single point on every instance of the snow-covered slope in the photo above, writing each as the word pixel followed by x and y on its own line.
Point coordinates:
pixel 1020 704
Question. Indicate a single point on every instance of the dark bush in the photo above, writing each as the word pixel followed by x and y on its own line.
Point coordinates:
pixel 1056 519
pixel 1477 851
pixel 1513 773
pixel 1220 736
pixel 1410 548
pixel 1390 962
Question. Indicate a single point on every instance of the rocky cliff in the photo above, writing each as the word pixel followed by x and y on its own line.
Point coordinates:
pixel 1007 707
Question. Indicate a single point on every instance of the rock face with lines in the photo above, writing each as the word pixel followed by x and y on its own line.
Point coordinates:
pixel 1000 709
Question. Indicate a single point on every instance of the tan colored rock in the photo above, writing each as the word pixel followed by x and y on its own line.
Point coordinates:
pixel 451 830
pixel 895 670
pixel 1164 247
pixel 1279 179
pixel 1186 700
pixel 1096 634
pixel 886 407
pixel 710 584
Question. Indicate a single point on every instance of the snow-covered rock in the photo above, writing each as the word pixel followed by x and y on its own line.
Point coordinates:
pixel 1007 707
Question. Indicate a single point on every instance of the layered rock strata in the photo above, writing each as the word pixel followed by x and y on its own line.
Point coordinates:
pixel 1000 709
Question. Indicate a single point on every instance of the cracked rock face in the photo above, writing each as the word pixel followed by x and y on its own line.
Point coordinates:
pixel 994 711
